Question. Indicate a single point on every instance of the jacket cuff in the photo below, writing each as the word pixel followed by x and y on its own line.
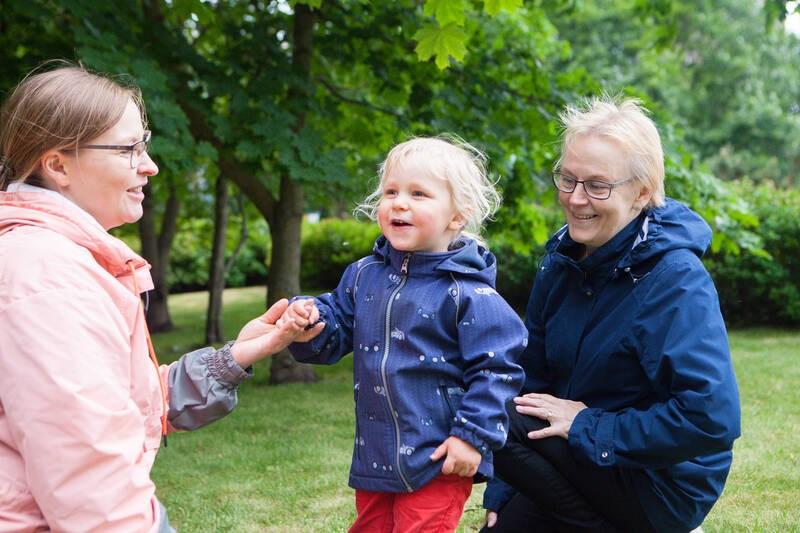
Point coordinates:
pixel 486 468
pixel 304 352
pixel 468 435
pixel 497 494
pixel 224 368
pixel 592 436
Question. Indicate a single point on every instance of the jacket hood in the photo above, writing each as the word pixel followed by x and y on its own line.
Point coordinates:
pixel 655 232
pixel 466 258
pixel 34 207
pixel 672 226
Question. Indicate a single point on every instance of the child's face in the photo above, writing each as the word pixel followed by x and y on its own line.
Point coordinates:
pixel 416 212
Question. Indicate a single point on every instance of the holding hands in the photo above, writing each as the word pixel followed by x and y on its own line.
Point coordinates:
pixel 303 316
pixel 461 458
pixel 560 413
pixel 272 332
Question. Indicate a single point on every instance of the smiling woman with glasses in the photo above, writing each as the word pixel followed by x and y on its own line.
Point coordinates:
pixel 84 404
pixel 630 406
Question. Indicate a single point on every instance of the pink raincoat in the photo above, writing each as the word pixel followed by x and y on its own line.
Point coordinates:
pixel 80 399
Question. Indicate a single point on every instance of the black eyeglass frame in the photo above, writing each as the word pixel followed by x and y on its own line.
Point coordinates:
pixel 124 148
pixel 611 185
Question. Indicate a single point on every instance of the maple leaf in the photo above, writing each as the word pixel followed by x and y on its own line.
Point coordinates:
pixel 493 7
pixel 442 43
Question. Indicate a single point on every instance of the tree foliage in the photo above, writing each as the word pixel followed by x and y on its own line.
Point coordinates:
pixel 301 120
pixel 722 73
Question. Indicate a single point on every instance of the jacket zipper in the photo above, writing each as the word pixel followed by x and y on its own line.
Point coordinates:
pixel 386 340
pixel 152 353
pixel 590 293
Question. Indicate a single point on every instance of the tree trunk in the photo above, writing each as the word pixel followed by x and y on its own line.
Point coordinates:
pixel 285 224
pixel 216 277
pixel 284 278
pixel 156 246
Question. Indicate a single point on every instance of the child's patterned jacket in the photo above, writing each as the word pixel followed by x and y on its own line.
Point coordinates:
pixel 435 354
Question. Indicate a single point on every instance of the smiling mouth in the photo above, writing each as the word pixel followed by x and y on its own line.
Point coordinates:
pixel 584 217
pixel 400 223
pixel 136 189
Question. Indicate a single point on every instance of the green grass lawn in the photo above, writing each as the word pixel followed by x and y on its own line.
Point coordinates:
pixel 280 461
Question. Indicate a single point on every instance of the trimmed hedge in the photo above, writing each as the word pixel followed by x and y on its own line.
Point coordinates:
pixel 191 255
pixel 330 245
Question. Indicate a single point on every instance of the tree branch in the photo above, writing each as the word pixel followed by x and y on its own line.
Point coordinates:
pixel 335 91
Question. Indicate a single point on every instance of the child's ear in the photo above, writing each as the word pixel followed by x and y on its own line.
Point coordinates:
pixel 458 223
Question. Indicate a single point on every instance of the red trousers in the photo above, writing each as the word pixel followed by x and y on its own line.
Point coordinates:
pixel 434 508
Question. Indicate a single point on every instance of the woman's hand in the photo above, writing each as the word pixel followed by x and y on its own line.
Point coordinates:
pixel 560 413
pixel 261 337
pixel 491 519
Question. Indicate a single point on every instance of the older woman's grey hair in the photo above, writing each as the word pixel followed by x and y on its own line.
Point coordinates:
pixel 625 122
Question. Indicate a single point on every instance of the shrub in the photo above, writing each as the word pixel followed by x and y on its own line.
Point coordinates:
pixel 330 245
pixel 759 288
pixel 519 250
pixel 515 274
pixel 191 255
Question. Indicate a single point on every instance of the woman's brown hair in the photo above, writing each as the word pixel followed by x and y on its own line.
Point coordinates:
pixel 56 109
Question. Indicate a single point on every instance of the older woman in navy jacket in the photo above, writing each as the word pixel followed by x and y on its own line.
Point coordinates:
pixel 632 405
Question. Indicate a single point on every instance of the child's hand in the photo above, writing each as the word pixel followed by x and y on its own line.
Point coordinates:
pixel 264 336
pixel 302 317
pixel 462 458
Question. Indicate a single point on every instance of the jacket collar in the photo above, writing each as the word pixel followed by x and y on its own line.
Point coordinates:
pixel 605 257
pixel 465 258
pixel 26 205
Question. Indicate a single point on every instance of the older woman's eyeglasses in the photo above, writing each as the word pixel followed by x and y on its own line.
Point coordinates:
pixel 136 149
pixel 599 190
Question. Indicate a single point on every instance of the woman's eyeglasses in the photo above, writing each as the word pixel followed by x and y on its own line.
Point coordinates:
pixel 136 149
pixel 599 190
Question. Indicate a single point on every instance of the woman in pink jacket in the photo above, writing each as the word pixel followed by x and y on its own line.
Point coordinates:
pixel 83 401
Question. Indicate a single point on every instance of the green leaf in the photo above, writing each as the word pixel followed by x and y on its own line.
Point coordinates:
pixel 441 43
pixel 313 4
pixel 446 11
pixel 248 150
pixel 493 7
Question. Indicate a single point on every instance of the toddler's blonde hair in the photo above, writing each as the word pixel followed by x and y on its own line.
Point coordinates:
pixel 453 160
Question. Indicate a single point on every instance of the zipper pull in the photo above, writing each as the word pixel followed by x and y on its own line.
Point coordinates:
pixel 404 267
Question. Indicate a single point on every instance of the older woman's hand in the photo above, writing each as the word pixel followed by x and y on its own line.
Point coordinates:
pixel 560 413
pixel 261 337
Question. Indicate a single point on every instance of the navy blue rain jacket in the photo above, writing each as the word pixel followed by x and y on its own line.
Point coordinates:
pixel 635 332
pixel 435 354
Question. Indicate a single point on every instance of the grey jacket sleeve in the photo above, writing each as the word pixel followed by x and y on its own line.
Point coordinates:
pixel 202 387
